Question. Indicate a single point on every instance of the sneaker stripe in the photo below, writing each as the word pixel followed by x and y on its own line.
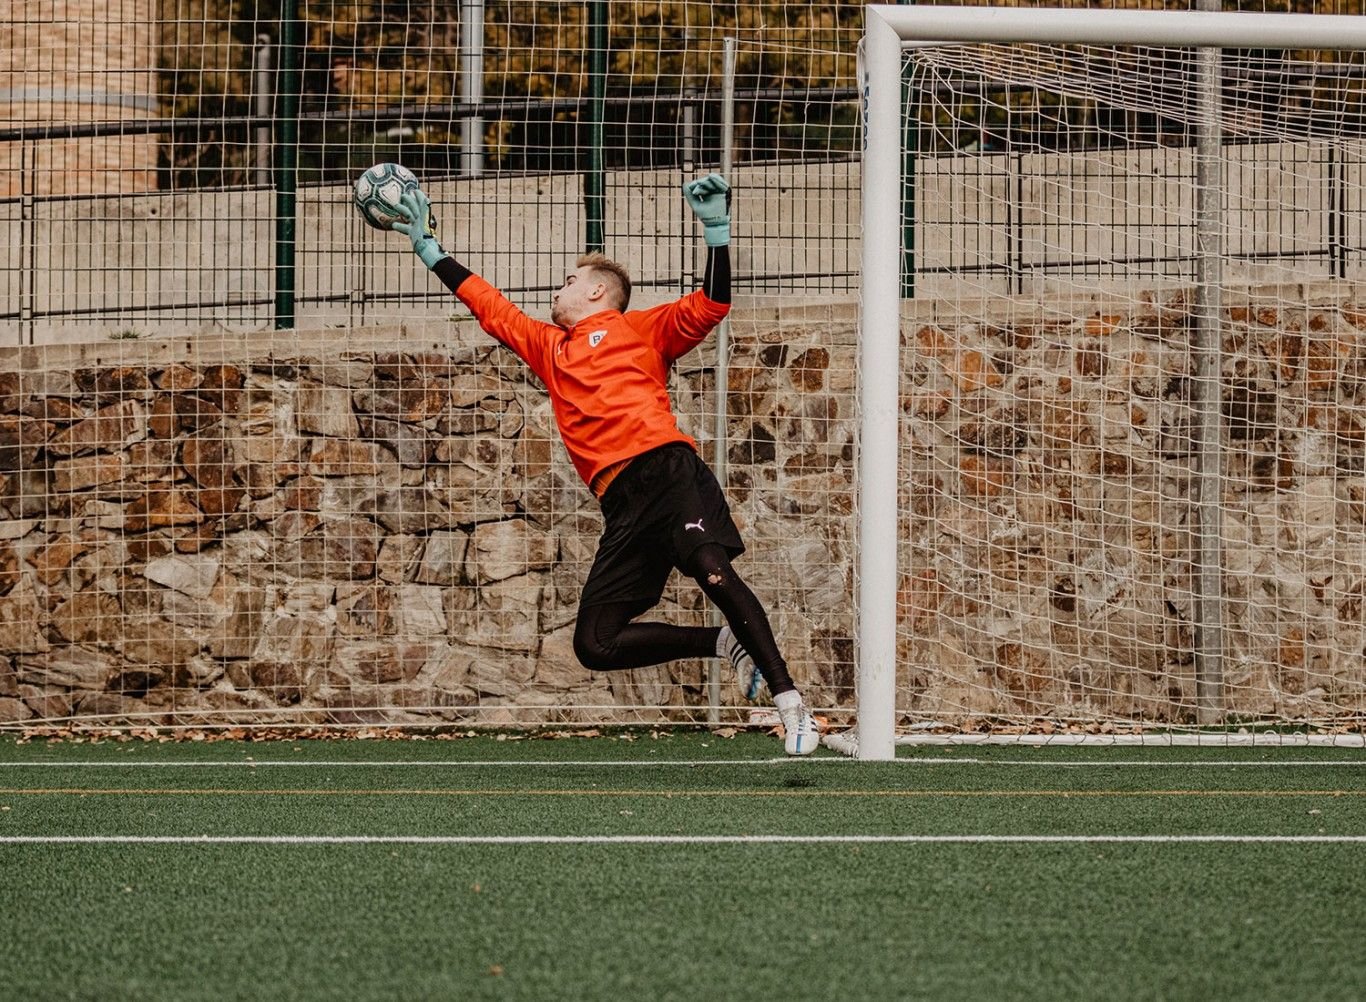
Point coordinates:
pixel 738 658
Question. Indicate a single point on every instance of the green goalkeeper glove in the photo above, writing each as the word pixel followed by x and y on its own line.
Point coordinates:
pixel 709 199
pixel 415 205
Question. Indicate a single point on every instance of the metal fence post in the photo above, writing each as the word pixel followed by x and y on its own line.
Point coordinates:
pixel 262 78
pixel 594 186
pixel 286 164
pixel 472 86
pixel 909 143
pixel 28 243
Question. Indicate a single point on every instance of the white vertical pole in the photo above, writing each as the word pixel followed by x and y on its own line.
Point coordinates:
pixel 265 100
pixel 721 430
pixel 472 86
pixel 879 384
pixel 1207 397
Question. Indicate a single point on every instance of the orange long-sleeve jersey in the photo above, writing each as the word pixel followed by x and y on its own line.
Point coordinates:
pixel 608 376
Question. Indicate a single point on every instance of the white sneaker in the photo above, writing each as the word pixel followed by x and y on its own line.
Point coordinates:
pixel 801 736
pixel 747 674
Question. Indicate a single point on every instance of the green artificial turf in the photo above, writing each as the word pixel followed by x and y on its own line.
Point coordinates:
pixel 736 920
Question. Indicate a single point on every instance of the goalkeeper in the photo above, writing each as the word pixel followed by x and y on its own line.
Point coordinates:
pixel 606 371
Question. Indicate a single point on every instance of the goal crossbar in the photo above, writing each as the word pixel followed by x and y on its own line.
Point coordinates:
pixel 1186 29
pixel 888 30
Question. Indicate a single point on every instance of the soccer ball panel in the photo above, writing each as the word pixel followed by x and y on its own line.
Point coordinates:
pixel 377 193
pixel 391 191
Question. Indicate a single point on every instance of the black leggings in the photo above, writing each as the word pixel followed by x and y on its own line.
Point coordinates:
pixel 605 639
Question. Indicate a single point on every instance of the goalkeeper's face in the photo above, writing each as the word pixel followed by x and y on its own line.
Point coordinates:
pixel 579 297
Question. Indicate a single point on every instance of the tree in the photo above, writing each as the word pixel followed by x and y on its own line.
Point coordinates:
pixel 365 60
pixel 380 80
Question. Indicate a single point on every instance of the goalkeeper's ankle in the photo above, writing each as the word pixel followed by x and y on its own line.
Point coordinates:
pixel 747 674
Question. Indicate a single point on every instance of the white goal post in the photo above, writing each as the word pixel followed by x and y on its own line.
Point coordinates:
pixel 890 30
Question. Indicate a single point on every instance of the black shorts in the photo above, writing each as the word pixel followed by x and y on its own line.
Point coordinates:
pixel 658 510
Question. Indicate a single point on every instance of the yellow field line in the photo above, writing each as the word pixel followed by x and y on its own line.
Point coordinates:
pixel 667 794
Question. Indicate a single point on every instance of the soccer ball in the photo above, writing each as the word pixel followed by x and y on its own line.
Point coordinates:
pixel 378 190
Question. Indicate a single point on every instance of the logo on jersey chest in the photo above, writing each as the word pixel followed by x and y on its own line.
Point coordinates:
pixel 595 338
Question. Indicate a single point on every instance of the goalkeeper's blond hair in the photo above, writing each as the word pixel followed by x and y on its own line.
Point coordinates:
pixel 613 274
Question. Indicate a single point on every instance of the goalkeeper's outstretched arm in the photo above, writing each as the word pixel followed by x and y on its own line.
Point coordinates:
pixel 709 199
pixel 451 272
pixel 716 277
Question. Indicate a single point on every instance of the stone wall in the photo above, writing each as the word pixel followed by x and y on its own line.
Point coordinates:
pixel 1052 562
pixel 376 527
pixel 380 525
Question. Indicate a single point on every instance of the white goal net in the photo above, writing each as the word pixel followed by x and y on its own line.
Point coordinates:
pixel 1128 416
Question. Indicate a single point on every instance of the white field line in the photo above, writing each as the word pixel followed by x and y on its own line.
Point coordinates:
pixel 663 839
pixel 1265 739
pixel 674 763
